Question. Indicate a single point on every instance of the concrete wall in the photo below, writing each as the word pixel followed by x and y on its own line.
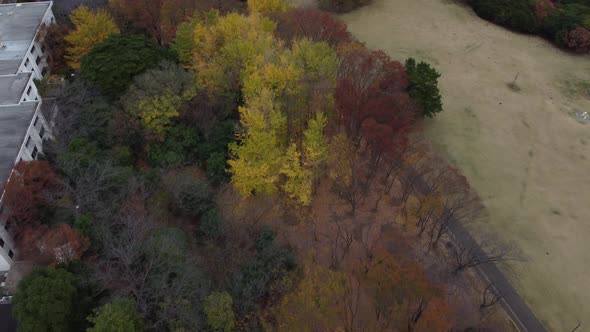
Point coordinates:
pixel 35 61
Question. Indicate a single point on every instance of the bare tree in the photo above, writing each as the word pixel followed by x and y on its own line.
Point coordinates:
pixel 415 313
pixel 351 305
pixel 94 187
pixel 489 297
pixel 341 240
pixel 412 180
pixel 463 207
pixel 577 326
pixel 167 287
pixel 355 191
pixel 467 255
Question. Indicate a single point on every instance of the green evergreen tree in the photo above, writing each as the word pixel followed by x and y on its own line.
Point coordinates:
pixel 44 300
pixel 423 87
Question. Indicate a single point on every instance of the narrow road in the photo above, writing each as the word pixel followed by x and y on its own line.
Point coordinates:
pixel 514 305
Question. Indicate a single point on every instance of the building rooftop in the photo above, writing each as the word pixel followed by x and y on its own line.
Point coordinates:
pixel 12 88
pixel 18 25
pixel 12 121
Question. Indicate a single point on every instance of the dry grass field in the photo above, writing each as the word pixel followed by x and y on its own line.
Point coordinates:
pixel 523 151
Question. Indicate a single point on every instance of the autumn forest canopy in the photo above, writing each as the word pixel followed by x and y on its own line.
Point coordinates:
pixel 564 22
pixel 220 166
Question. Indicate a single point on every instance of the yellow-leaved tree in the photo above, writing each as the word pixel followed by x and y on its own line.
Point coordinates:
pixel 92 28
pixel 341 156
pixel 267 7
pixel 225 46
pixel 157 113
pixel 318 64
pixel 259 152
pixel 298 183
pixel 286 92
pixel 317 302
pixel 315 145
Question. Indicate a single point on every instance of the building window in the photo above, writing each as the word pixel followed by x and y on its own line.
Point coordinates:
pixel 34 153
pixel 42 131
pixel 38 59
pixel 36 121
pixel 10 253
pixel 43 48
pixel 27 62
pixel 33 49
pixel 29 90
pixel 28 144
pixel 1 243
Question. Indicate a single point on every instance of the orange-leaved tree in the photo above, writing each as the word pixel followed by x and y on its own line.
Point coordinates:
pixel 62 244
pixel 404 295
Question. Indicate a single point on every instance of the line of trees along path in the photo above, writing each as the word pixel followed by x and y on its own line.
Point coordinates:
pixel 511 301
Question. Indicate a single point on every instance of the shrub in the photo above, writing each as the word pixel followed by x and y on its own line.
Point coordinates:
pixel 342 6
pixel 559 21
pixel 220 315
pixel 567 17
pixel 211 224
pixel 192 197
pixel 579 40
pixel 262 276
pixel 216 165
pixel 180 146
pixel 118 315
pixel 515 14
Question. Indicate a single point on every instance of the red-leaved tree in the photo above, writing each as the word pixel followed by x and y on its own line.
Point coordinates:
pixel 371 98
pixel 158 18
pixel 44 245
pixel 312 24
pixel 62 244
pixel 32 185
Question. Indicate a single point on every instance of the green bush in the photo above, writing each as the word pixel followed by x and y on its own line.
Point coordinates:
pixel 342 6
pixel 211 224
pixel 565 18
pixel 118 315
pixel 522 15
pixel 216 165
pixel 262 276
pixel 192 197
pixel 180 147
pixel 220 315
pixel 515 14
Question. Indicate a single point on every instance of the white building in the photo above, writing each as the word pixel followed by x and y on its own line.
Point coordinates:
pixel 22 124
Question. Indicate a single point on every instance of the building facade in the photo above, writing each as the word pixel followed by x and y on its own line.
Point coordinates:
pixel 23 126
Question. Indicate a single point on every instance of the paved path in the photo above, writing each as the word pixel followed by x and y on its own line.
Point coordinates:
pixel 514 305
